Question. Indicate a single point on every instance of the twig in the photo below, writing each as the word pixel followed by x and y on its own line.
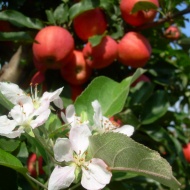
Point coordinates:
pixel 163 20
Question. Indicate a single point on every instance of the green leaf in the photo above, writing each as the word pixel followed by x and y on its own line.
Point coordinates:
pixel 16 36
pixel 81 7
pixel 18 19
pixel 8 160
pixel 5 102
pixel 184 41
pixel 96 39
pixel 121 153
pixel 143 5
pixel 155 107
pixel 111 95
pixel 9 145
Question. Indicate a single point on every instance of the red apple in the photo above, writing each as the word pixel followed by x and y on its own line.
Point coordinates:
pixel 76 90
pixel 52 47
pixel 34 165
pixel 139 18
pixel 89 23
pixel 134 50
pixel 186 152
pixel 142 78
pixel 76 71
pixel 102 55
pixel 172 33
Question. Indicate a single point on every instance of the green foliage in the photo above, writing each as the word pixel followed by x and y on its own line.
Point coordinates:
pixel 122 153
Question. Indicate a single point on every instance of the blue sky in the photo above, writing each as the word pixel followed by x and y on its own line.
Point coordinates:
pixel 185 30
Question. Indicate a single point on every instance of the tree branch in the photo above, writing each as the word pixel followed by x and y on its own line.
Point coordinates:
pixel 163 20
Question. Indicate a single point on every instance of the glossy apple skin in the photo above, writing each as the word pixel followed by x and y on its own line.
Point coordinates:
pixel 134 50
pixel 172 33
pixel 139 18
pixel 102 55
pixel 31 165
pixel 76 90
pixel 54 44
pixel 186 152
pixel 76 71
pixel 90 23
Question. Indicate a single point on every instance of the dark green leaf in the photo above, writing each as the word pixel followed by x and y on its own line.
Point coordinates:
pixel 16 36
pixel 10 161
pixel 143 5
pixel 155 107
pixel 21 20
pixel 5 102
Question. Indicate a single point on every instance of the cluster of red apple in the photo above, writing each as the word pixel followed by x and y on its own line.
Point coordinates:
pixel 54 46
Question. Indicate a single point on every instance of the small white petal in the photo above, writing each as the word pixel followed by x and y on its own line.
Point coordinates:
pixel 97 176
pixel 51 96
pixel 125 129
pixel 62 150
pixel 11 91
pixel 41 119
pixel 78 137
pixel 61 177
pixel 6 125
pixel 58 103
pixel 97 114
pixel 70 114
pixel 14 134
pixel 18 114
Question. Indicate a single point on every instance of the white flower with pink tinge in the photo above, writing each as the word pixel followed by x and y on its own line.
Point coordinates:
pixel 28 112
pixel 102 124
pixel 72 151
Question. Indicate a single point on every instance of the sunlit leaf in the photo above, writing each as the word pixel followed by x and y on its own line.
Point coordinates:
pixel 121 153
pixel 111 95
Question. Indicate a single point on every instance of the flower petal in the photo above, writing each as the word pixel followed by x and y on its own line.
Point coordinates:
pixel 51 96
pixel 62 150
pixel 58 103
pixel 7 125
pixel 96 176
pixel 41 119
pixel 11 91
pixel 61 177
pixel 97 114
pixel 125 129
pixel 78 137
pixel 14 134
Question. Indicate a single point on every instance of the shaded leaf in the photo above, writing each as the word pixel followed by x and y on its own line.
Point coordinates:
pixel 9 145
pixel 21 20
pixel 121 153
pixel 143 5
pixel 5 102
pixel 155 107
pixel 96 39
pixel 16 36
pixel 10 161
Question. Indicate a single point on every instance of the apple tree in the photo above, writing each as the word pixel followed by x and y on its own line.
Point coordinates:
pixel 94 94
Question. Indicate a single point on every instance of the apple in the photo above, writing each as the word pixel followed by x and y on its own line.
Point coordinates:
pixel 134 50
pixel 76 71
pixel 139 18
pixel 52 46
pixel 90 23
pixel 34 164
pixel 102 55
pixel 186 152
pixel 172 32
pixel 142 78
pixel 76 90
